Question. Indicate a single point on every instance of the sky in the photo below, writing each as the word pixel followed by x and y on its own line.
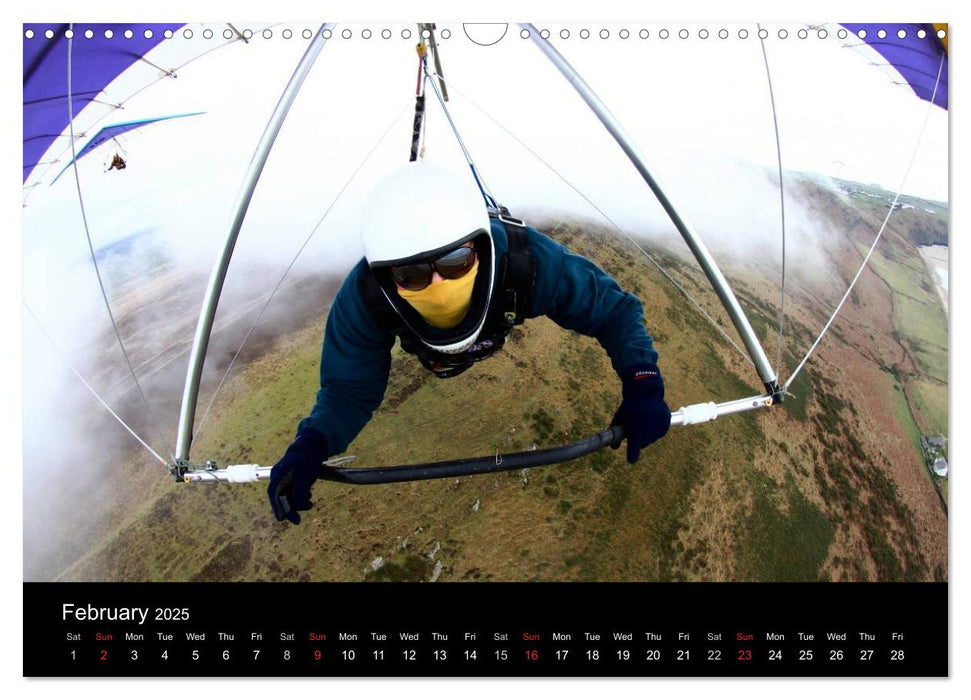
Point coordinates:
pixel 695 118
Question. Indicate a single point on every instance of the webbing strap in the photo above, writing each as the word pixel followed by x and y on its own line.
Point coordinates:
pixel 381 310
pixel 519 270
pixel 416 128
pixel 419 103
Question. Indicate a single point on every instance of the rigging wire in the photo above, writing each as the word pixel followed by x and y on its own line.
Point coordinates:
pixel 483 188
pixel 89 387
pixel 883 226
pixel 609 220
pixel 782 205
pixel 94 258
pixel 286 272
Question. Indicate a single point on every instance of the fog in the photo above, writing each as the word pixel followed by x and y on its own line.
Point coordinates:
pixel 699 112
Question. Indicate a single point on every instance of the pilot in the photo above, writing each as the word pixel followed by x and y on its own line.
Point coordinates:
pixel 450 278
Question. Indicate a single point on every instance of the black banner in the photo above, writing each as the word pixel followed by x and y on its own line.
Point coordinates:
pixel 489 629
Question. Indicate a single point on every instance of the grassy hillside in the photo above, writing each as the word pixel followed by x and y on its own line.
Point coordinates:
pixel 828 486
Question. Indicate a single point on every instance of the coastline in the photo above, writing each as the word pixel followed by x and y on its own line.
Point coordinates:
pixel 936 259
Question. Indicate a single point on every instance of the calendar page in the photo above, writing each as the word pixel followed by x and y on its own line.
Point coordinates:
pixel 442 349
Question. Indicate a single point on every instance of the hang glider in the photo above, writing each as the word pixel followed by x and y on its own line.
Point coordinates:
pixel 183 469
pixel 933 62
pixel 113 131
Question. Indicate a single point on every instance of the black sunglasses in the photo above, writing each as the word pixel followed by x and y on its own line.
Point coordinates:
pixel 451 266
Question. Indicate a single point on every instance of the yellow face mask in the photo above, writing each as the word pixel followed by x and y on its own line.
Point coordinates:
pixel 443 304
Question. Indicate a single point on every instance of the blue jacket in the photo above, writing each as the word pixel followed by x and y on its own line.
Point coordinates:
pixel 569 289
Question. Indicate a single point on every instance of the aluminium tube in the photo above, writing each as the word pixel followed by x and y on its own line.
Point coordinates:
pixel 704 412
pixel 200 343
pixel 437 60
pixel 694 242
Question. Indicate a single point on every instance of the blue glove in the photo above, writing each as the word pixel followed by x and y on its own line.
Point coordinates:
pixel 292 477
pixel 643 413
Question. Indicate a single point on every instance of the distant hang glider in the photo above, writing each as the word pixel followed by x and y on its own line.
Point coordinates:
pixel 112 131
pixel 915 51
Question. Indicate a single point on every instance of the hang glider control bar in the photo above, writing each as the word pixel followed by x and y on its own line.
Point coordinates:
pixel 183 469
pixel 689 415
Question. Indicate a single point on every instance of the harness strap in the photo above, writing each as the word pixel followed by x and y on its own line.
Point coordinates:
pixel 416 127
pixel 381 311
pixel 518 272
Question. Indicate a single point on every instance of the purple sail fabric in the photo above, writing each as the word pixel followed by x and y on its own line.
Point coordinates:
pixel 95 62
pixel 114 130
pixel 917 60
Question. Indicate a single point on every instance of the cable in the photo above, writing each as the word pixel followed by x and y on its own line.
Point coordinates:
pixel 292 263
pixel 883 226
pixel 89 387
pixel 483 188
pixel 609 220
pixel 782 205
pixel 121 104
pixel 87 233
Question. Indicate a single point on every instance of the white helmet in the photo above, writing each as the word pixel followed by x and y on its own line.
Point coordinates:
pixel 418 212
